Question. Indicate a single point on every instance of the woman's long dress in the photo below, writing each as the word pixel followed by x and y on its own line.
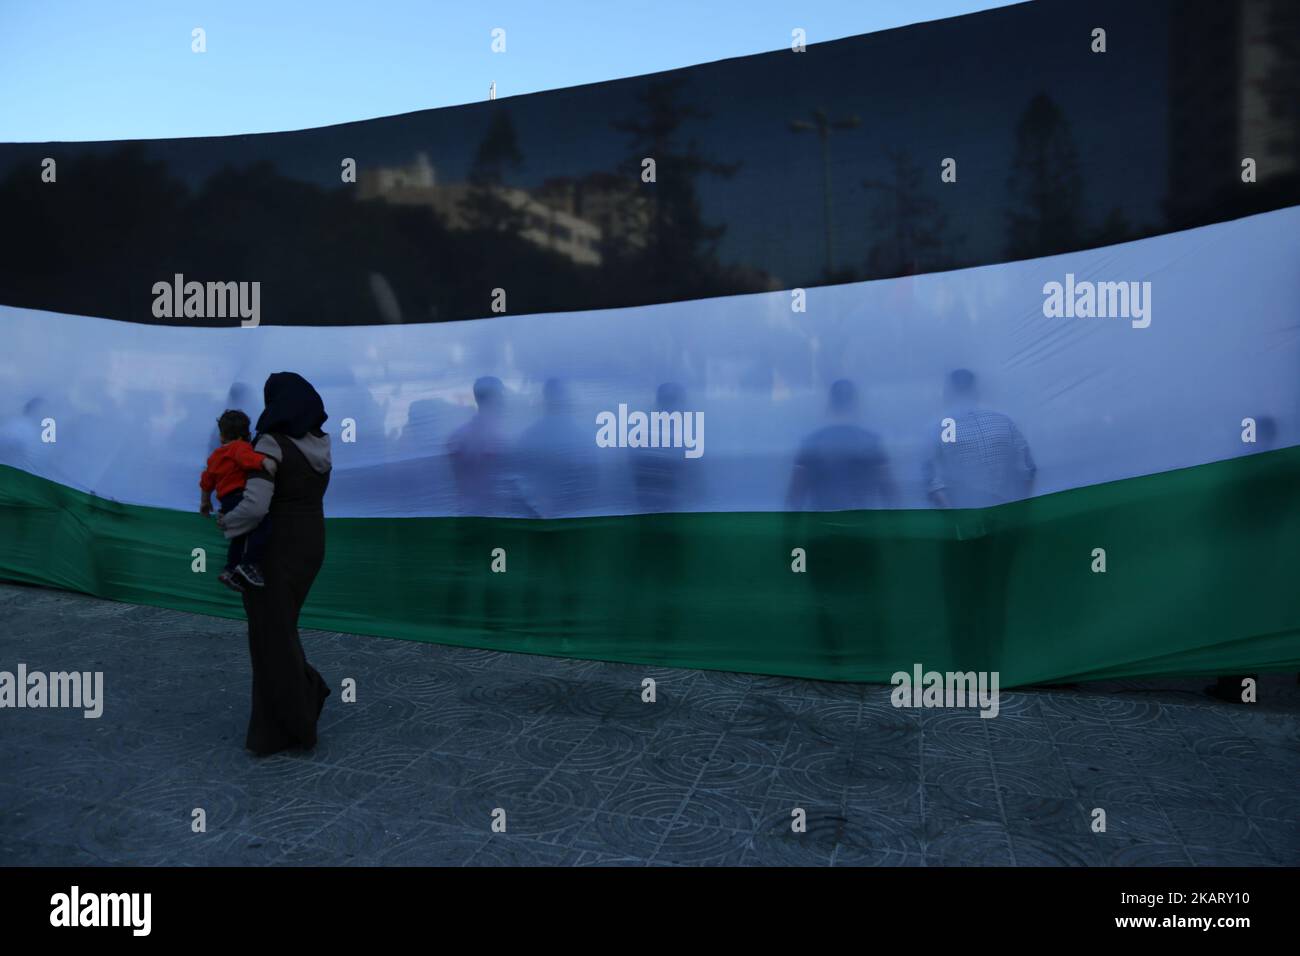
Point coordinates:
pixel 288 693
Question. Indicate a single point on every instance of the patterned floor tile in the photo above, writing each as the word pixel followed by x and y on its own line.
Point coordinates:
pixel 721 769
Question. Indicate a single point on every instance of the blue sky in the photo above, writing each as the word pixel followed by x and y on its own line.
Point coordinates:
pixel 91 70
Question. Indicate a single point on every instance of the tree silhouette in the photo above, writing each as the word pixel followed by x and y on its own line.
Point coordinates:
pixel 486 206
pixel 1280 84
pixel 1114 228
pixel 83 228
pixel 1045 214
pixel 910 227
pixel 680 246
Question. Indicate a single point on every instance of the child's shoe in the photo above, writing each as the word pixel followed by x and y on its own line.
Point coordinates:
pixel 229 580
pixel 251 574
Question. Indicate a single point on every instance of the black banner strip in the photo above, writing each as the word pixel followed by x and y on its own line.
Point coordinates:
pixel 1014 133
pixel 224 906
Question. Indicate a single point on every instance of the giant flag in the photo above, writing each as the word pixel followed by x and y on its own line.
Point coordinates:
pixel 971 344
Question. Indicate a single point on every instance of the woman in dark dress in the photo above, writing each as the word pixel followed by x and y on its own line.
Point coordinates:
pixel 288 693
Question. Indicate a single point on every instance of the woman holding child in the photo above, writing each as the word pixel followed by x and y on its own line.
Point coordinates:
pixel 287 491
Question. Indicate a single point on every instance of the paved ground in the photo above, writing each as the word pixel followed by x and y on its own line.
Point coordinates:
pixel 588 774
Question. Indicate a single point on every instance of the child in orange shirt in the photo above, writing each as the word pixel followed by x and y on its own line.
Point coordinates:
pixel 226 474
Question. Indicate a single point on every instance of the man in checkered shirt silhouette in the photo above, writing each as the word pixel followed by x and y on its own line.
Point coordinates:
pixel 986 463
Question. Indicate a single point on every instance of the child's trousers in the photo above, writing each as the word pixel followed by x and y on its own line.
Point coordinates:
pixel 247 548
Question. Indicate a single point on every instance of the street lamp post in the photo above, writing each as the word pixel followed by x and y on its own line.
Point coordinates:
pixel 824 126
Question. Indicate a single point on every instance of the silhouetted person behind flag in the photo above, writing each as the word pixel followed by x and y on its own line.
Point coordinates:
pixel 417 438
pixel 240 396
pixel 480 458
pixel 20 436
pixel 664 481
pixel 479 453
pixel 842 467
pixel 662 477
pixel 555 460
pixel 987 463
pixel 1255 508
pixel 21 447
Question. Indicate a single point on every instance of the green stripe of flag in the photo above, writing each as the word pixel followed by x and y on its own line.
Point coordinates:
pixel 1200 577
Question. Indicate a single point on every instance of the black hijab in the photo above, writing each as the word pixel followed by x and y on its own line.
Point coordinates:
pixel 290 406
